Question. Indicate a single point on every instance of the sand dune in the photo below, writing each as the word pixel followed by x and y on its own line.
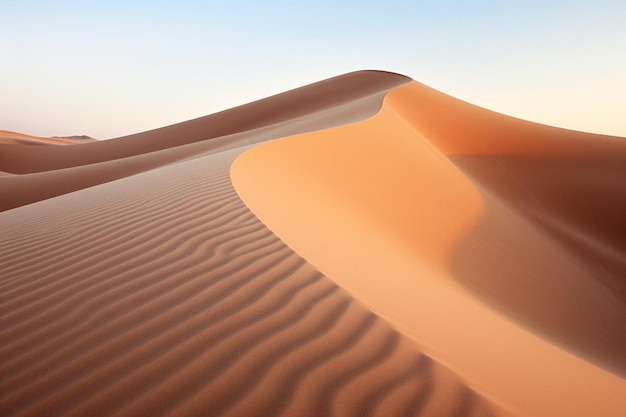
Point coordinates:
pixel 433 197
pixel 336 101
pixel 14 138
pixel 50 172
pixel 410 255
pixel 162 294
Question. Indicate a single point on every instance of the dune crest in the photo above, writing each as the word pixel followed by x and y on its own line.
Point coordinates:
pixel 46 172
pixel 431 214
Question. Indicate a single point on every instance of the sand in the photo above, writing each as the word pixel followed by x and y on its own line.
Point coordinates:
pixel 46 172
pixel 162 294
pixel 474 233
pixel 15 138
pixel 348 248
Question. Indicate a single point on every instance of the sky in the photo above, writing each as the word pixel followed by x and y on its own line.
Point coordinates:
pixel 111 68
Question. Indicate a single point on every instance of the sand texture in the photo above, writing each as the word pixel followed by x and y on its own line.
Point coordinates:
pixel 497 244
pixel 361 246
pixel 162 294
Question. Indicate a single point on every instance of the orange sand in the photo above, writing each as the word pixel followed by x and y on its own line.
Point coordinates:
pixel 135 282
pixel 409 213
pixel 482 260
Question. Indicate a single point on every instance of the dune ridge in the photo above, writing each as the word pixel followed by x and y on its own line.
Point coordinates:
pixel 48 172
pixel 326 99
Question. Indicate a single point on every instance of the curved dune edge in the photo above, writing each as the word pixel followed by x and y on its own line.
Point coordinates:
pixel 46 172
pixel 381 207
pixel 331 102
pixel 162 294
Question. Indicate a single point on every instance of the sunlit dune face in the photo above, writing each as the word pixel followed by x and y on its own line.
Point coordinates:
pixel 380 174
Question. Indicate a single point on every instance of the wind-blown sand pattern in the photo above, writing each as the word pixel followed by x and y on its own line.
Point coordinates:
pixel 135 280
pixel 168 296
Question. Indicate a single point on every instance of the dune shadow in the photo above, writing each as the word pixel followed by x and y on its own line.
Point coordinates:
pixel 550 249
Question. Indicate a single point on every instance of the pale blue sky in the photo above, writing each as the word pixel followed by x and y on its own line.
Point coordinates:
pixel 107 68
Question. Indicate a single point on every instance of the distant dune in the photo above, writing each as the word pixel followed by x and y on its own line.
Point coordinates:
pixel 362 246
pixel 14 138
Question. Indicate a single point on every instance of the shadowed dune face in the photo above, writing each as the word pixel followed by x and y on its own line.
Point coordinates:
pixel 578 199
pixel 571 177
pixel 533 273
pixel 433 197
pixel 566 277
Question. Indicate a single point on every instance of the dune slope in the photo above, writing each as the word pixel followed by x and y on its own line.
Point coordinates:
pixel 14 138
pixel 482 223
pixel 162 294
pixel 143 285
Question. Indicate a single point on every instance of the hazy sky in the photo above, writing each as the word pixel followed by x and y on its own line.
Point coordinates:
pixel 108 68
